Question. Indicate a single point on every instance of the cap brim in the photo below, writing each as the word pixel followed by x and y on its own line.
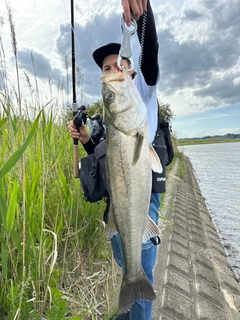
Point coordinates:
pixel 101 53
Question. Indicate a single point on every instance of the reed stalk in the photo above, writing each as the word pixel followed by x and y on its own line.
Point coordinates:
pixel 14 47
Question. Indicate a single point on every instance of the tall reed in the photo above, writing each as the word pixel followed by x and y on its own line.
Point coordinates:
pixel 52 243
pixel 61 234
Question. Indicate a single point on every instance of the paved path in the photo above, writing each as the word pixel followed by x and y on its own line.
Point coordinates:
pixel 193 279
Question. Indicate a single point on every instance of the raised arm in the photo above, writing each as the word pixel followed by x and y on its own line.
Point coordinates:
pixel 149 65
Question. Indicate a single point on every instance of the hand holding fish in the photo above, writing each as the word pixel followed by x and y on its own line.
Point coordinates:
pixel 138 7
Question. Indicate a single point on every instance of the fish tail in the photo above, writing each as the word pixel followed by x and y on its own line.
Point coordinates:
pixel 134 290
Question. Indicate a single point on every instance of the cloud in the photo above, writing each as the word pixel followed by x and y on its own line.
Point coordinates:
pixel 226 16
pixel 100 30
pixel 192 14
pixel 195 59
pixel 216 121
pixel 183 64
pixel 199 49
pixel 34 62
pixel 223 91
pixel 199 54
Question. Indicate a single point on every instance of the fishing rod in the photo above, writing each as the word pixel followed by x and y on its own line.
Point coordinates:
pixel 74 102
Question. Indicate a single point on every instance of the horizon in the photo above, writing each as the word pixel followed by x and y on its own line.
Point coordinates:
pixel 212 137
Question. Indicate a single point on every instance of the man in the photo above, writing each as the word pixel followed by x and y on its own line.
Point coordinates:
pixel 146 80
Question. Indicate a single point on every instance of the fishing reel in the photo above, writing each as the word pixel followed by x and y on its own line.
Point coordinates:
pixel 80 117
pixel 94 123
pixel 96 128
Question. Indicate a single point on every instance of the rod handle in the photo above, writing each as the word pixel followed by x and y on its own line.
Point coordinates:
pixel 76 162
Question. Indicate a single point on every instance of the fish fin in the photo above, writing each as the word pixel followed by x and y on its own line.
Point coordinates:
pixel 131 291
pixel 111 228
pixel 138 148
pixel 151 230
pixel 155 160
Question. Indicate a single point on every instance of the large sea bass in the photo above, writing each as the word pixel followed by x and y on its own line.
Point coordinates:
pixel 130 159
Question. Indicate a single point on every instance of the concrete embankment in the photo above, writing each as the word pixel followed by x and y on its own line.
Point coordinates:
pixel 193 279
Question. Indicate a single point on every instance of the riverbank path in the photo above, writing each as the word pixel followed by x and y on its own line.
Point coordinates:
pixel 193 279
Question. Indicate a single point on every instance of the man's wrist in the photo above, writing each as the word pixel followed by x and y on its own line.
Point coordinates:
pixel 85 140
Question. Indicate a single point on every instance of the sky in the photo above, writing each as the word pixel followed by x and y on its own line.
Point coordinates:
pixel 199 55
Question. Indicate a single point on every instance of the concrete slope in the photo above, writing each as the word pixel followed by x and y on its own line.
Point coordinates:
pixel 193 279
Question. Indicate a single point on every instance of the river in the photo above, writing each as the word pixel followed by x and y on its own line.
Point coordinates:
pixel 217 169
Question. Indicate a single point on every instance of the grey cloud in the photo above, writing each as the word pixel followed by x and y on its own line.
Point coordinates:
pixel 192 14
pixel 222 90
pixel 195 63
pixel 225 14
pixel 34 62
pixel 192 62
pixel 194 58
pixel 183 64
pixel 63 41
pixel 97 32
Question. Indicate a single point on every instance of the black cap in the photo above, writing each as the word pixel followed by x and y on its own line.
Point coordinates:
pixel 101 53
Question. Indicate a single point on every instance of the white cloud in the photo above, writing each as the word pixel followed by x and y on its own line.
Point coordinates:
pixel 199 46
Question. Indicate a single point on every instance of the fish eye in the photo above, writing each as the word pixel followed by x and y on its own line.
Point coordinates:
pixel 109 96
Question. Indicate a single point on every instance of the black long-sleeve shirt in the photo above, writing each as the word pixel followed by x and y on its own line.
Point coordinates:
pixel 149 65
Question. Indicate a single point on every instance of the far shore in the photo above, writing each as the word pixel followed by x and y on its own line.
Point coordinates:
pixel 184 142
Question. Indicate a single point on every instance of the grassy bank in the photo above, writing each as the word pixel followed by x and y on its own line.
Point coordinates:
pixel 55 260
pixel 182 142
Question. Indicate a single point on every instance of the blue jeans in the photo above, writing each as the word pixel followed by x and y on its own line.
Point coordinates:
pixel 141 310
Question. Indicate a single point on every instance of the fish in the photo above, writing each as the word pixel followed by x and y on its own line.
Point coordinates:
pixel 130 159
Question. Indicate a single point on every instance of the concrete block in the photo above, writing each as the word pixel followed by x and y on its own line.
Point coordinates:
pixel 180 265
pixel 207 311
pixel 179 283
pixel 177 305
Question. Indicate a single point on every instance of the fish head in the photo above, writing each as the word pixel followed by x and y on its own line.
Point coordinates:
pixel 116 92
pixel 123 105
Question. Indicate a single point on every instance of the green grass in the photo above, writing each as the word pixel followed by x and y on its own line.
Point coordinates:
pixel 47 230
pixel 186 142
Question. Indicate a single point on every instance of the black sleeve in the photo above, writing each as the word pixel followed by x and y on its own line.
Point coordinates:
pixel 89 146
pixel 149 64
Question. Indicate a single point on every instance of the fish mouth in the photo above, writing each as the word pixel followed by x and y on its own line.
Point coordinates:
pixel 113 77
